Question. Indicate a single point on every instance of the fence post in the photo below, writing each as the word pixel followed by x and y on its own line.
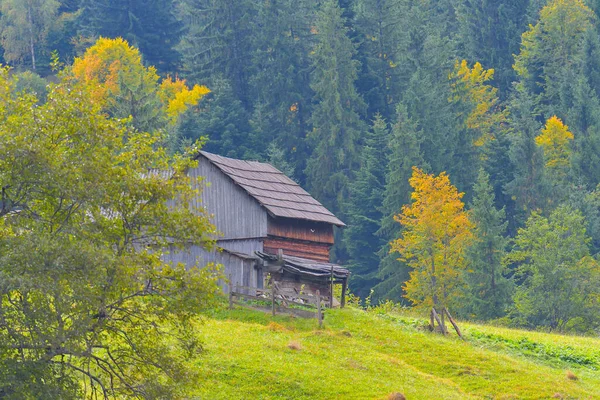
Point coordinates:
pixel 273 298
pixel 230 293
pixel 331 289
pixel 319 315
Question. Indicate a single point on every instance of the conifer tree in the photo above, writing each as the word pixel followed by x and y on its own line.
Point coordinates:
pixel 380 25
pixel 216 42
pixel 337 126
pixel 364 207
pixel 404 154
pixel 490 290
pixel 280 81
pixel 150 25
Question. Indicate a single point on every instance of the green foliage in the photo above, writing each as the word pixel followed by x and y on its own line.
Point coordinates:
pixel 559 279
pixel 404 153
pixel 24 26
pixel 337 126
pixel 85 298
pixel 150 26
pixel 364 209
pixel 490 290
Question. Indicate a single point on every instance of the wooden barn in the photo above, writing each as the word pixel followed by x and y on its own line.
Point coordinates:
pixel 269 226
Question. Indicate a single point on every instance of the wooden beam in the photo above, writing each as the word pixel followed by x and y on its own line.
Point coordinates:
pixel 453 323
pixel 331 289
pixel 344 288
pixel 319 315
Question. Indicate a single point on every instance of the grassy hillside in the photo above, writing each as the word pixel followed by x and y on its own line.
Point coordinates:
pixel 360 355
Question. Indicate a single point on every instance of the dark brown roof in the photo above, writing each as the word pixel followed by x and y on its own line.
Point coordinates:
pixel 303 266
pixel 281 196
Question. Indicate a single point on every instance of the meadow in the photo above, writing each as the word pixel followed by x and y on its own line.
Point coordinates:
pixel 372 355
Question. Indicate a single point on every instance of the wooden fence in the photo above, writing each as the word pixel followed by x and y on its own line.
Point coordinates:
pixel 282 301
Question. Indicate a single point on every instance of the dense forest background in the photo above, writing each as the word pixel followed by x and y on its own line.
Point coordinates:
pixel 347 96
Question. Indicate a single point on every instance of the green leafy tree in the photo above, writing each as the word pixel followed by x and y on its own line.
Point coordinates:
pixel 490 290
pixel 404 153
pixel 364 210
pixel 336 117
pixel 24 26
pixel 560 280
pixel 89 309
pixel 437 232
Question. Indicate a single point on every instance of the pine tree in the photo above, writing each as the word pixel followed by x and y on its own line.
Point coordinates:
pixel 490 290
pixel 280 81
pixel 337 126
pixel 364 207
pixel 222 120
pixel 404 154
pixel 149 25
pixel 490 32
pixel 216 43
pixel 380 25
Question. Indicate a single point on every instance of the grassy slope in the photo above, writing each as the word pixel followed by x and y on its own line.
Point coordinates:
pixel 365 356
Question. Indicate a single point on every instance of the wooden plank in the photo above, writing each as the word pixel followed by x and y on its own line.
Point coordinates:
pixel 331 289
pixel 273 299
pixel 230 293
pixel 437 318
pixel 453 323
pixel 311 231
pixel 344 288
pixel 319 315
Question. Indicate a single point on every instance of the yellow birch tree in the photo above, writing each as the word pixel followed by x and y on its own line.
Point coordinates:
pixel 437 231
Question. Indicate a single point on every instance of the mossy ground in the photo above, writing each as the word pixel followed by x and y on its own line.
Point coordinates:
pixel 361 355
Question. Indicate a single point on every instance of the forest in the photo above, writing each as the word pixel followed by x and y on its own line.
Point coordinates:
pixel 386 111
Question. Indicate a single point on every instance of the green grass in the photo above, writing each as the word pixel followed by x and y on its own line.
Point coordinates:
pixel 360 355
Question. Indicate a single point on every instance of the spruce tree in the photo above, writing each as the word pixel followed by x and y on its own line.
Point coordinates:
pixel 364 209
pixel 380 25
pixel 336 119
pixel 149 25
pixel 404 153
pixel 216 42
pixel 490 290
pixel 280 82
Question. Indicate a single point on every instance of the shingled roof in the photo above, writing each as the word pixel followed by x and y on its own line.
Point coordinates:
pixel 281 196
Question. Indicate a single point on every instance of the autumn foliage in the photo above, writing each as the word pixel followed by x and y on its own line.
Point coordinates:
pixel 437 231
pixel 555 140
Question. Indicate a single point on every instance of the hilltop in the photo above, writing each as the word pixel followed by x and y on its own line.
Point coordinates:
pixel 369 355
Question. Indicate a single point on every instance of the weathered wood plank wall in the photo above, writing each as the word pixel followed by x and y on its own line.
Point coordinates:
pixel 235 214
pixel 241 270
pixel 300 230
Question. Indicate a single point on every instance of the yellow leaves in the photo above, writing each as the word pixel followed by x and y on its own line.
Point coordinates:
pixel 112 70
pixel 108 65
pixel 555 141
pixel 556 38
pixel 437 231
pixel 176 96
pixel 469 85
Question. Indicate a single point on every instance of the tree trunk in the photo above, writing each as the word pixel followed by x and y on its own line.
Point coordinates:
pixel 31 38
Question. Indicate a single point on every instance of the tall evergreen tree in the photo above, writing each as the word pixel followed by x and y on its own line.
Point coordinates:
pixel 364 208
pixel 216 42
pixel 149 25
pixel 336 119
pixel 404 153
pixel 490 290
pixel 380 25
pixel 280 82
pixel 489 31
